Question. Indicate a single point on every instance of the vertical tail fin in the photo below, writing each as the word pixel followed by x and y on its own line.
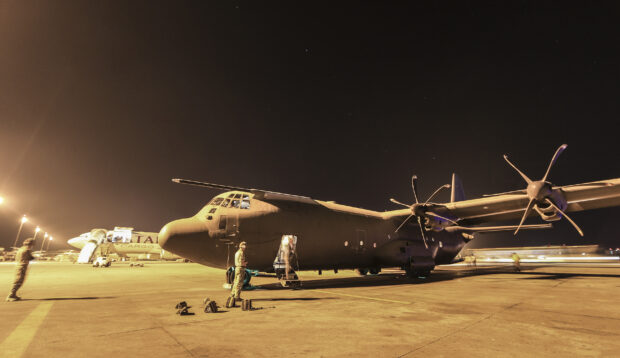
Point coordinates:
pixel 458 194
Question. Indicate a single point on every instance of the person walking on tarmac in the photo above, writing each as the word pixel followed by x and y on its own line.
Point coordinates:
pixel 22 259
pixel 516 261
pixel 240 264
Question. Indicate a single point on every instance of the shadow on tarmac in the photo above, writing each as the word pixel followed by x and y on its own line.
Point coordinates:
pixel 390 279
pixel 295 299
pixel 66 298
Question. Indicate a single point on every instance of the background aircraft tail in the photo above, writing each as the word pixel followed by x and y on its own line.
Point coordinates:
pixel 458 194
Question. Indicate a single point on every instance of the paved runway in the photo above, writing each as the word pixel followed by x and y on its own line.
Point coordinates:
pixel 75 310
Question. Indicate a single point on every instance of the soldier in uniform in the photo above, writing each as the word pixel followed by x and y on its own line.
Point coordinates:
pixel 22 259
pixel 240 264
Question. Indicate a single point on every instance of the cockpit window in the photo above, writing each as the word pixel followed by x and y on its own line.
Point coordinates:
pixel 216 201
pixel 231 195
pixel 245 204
pixel 235 203
pixel 237 196
pixel 225 203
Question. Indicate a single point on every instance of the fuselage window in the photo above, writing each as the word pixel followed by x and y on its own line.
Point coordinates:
pixel 216 201
pixel 222 224
pixel 225 203
pixel 212 210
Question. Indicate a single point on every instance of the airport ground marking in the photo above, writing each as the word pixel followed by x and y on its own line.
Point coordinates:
pixel 18 341
pixel 363 297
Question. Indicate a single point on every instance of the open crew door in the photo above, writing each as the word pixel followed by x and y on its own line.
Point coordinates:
pixel 86 254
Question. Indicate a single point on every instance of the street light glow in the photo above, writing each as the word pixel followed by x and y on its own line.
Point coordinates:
pixel 1 200
pixel 24 219
pixel 37 229
pixel 44 236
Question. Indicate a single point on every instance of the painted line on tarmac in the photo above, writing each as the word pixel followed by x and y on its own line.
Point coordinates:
pixel 16 343
pixel 364 297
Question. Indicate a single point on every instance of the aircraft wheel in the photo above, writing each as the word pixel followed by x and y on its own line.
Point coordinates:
pixel 374 270
pixel 230 275
pixel 361 271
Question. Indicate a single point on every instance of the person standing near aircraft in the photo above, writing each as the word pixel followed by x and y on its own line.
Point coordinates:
pixel 516 260
pixel 240 264
pixel 22 259
pixel 286 253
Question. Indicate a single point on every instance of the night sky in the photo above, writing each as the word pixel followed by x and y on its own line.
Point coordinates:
pixel 103 102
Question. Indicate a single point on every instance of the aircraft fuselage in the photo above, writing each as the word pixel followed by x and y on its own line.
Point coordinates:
pixel 329 235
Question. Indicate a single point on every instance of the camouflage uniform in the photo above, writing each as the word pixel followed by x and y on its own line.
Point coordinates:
pixel 240 264
pixel 22 259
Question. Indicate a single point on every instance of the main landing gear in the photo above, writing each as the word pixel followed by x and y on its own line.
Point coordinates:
pixel 365 271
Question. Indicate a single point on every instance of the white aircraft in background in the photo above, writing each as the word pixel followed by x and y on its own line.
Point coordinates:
pixel 123 241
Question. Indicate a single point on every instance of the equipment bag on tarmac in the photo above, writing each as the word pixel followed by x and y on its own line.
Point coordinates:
pixel 210 307
pixel 230 302
pixel 246 305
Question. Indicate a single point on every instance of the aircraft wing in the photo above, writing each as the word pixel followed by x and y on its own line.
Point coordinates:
pixel 511 205
pixel 264 195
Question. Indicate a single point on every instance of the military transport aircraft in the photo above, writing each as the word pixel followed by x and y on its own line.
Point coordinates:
pixel 327 235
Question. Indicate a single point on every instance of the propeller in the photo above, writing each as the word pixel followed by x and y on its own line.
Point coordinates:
pixel 421 210
pixel 540 191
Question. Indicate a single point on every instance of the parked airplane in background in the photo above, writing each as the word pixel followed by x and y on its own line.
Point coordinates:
pixel 334 236
pixel 122 241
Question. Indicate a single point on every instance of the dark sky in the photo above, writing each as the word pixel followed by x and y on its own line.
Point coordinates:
pixel 103 102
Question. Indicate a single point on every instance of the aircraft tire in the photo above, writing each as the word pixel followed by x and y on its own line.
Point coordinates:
pixel 374 270
pixel 417 273
pixel 361 271
pixel 230 275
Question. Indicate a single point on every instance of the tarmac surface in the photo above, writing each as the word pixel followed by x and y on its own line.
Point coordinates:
pixel 72 310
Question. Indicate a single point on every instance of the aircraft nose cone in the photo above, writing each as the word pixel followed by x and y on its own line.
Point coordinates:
pixel 174 235
pixel 76 242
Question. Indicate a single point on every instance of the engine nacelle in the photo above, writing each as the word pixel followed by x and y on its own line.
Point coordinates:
pixel 546 211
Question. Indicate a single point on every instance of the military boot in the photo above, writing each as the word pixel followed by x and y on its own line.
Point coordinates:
pixel 12 298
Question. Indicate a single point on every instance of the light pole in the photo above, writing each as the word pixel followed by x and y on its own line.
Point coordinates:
pixel 48 243
pixel 24 219
pixel 36 231
pixel 43 242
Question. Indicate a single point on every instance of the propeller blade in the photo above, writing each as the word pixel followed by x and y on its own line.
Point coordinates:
pixel 430 213
pixel 555 157
pixel 566 216
pixel 422 231
pixel 527 180
pixel 414 187
pixel 403 223
pixel 445 186
pixel 525 214
pixel 399 203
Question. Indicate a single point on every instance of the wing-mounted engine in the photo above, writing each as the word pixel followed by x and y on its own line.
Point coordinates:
pixel 550 212
pixel 549 203
pixel 427 219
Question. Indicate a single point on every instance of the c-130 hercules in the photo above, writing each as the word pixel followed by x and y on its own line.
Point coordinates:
pixel 335 236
